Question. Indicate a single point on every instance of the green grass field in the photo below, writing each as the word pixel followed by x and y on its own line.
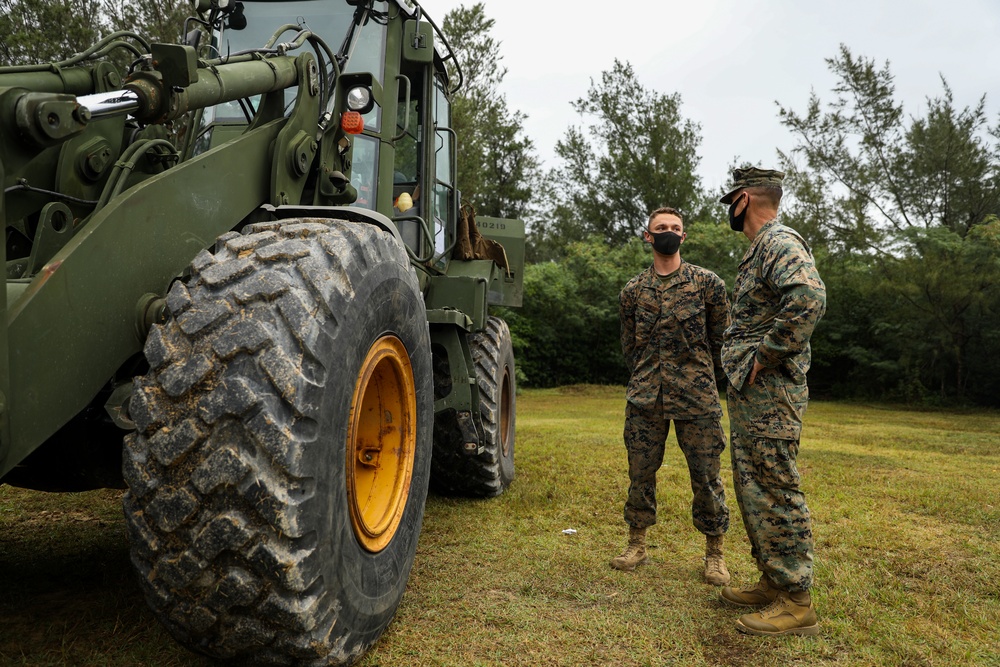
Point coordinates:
pixel 905 504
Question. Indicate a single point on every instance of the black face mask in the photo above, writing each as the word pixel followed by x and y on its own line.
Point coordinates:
pixel 666 243
pixel 736 221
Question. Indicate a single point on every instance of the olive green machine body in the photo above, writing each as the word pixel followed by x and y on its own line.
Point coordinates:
pixel 104 208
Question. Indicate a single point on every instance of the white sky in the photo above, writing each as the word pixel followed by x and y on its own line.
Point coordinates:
pixel 732 61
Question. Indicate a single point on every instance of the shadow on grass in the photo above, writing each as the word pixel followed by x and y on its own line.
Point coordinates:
pixel 70 597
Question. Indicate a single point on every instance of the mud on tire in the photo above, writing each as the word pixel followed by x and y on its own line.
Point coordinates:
pixel 491 472
pixel 245 525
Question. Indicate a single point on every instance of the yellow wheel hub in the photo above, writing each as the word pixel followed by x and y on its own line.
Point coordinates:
pixel 506 400
pixel 381 443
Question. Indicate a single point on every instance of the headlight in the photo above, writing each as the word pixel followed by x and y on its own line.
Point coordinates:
pixel 360 99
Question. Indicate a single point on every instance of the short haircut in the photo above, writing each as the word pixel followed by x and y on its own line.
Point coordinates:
pixel 668 210
pixel 769 193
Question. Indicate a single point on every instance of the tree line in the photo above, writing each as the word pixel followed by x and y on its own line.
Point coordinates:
pixel 33 31
pixel 901 210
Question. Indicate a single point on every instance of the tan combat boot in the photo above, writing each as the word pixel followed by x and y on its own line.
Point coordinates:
pixel 715 565
pixel 758 595
pixel 789 614
pixel 634 554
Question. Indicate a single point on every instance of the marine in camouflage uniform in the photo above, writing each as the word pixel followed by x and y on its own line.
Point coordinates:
pixel 671 335
pixel 778 300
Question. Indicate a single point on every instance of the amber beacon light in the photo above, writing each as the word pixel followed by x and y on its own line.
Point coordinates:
pixel 352 122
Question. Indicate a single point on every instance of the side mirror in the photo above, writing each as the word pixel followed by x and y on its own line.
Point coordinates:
pixel 237 21
pixel 193 39
pixel 418 42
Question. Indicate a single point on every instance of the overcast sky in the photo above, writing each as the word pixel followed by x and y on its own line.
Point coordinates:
pixel 733 61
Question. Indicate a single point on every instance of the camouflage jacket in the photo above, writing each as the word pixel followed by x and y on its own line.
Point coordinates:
pixel 671 333
pixel 777 301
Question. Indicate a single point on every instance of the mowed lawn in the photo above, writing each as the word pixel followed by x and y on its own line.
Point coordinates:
pixel 905 504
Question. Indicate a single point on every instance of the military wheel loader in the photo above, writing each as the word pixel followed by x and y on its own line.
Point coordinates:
pixel 245 255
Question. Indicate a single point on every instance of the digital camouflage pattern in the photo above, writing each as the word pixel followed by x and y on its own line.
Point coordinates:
pixel 671 333
pixel 752 177
pixel 766 483
pixel 779 298
pixel 701 440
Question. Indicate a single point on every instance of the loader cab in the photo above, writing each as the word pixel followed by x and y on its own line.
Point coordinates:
pixel 446 203
pixel 407 145
pixel 424 197
pixel 410 158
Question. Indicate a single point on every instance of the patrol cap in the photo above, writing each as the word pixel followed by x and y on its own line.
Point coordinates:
pixel 752 177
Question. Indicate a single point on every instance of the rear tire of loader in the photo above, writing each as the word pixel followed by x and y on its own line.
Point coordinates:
pixel 279 470
pixel 491 472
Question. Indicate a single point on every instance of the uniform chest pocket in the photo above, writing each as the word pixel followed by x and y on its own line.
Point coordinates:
pixel 752 288
pixel 691 320
pixel 746 283
pixel 646 315
pixel 740 290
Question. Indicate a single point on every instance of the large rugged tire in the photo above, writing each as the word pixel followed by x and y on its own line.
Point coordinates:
pixel 279 470
pixel 490 472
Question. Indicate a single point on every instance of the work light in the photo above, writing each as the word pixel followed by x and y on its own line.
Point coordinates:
pixel 360 99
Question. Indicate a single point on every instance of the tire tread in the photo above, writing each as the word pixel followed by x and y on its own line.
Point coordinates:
pixel 218 490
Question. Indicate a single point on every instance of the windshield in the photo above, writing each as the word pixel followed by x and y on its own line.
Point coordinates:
pixel 330 20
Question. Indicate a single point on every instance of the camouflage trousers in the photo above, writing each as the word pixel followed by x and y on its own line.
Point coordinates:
pixel 764 441
pixel 701 440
